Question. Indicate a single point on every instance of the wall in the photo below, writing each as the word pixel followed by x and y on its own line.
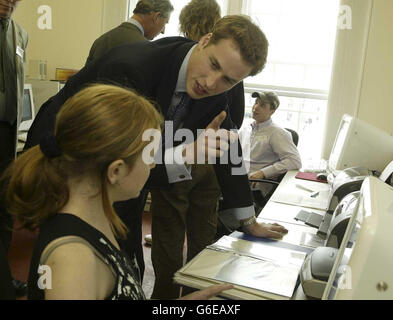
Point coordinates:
pixel 362 76
pixel 376 99
pixel 75 25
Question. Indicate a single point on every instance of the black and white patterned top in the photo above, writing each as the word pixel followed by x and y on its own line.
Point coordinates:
pixel 128 284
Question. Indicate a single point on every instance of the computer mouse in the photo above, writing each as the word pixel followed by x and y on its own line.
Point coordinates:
pixel 322 176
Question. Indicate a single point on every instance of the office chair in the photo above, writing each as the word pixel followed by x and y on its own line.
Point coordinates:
pixel 259 200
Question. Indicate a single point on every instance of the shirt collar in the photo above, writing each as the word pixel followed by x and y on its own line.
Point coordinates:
pixel 137 24
pixel 181 79
pixel 255 125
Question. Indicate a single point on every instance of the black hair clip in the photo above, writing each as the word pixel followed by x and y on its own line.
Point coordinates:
pixel 49 146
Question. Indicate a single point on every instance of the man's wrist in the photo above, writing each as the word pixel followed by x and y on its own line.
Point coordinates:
pixel 248 221
pixel 247 226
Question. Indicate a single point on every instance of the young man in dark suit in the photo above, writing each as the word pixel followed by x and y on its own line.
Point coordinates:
pixel 173 70
pixel 13 42
pixel 148 21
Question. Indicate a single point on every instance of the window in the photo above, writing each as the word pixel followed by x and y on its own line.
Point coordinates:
pixel 301 36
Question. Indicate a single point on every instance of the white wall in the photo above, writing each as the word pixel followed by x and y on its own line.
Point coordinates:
pixel 75 25
pixel 376 98
pixel 362 76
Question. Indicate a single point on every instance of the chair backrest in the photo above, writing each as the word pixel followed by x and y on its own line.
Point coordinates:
pixel 295 136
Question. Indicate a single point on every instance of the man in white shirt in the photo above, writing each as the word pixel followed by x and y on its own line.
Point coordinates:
pixel 268 150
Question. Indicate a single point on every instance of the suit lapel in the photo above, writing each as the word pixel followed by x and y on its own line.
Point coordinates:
pixel 19 45
pixel 19 65
pixel 167 85
pixel 203 111
pixel 165 92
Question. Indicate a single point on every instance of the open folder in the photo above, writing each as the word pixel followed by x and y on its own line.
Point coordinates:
pixel 257 271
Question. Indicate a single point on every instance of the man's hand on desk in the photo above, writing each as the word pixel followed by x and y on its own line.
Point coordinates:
pixel 265 230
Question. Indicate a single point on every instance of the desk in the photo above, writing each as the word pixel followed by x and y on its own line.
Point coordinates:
pixel 282 208
pixel 286 202
pixel 285 213
pixel 288 193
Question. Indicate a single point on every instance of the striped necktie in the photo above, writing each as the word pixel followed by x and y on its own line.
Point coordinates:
pixel 178 112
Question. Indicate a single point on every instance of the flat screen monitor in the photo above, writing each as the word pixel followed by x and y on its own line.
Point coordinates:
pixel 28 111
pixel 359 144
pixel 362 269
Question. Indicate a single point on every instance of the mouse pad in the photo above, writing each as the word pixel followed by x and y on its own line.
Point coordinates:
pixel 312 176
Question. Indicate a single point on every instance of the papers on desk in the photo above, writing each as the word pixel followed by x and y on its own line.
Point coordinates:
pixel 298 235
pixel 291 193
pixel 280 212
pixel 257 270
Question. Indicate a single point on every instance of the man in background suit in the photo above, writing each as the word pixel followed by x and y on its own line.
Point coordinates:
pixel 13 42
pixel 188 81
pixel 148 21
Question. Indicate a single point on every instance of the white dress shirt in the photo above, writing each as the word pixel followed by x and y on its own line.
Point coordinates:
pixel 268 148
pixel 176 169
pixel 137 24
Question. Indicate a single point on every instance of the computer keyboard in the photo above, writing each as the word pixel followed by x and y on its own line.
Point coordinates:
pixel 324 227
pixel 313 170
pixel 315 167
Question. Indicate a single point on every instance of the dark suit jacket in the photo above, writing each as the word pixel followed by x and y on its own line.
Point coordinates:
pixel 123 34
pixel 152 69
pixel 236 104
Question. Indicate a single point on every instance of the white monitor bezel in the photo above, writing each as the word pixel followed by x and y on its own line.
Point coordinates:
pixel 364 145
pixel 345 118
pixel 25 124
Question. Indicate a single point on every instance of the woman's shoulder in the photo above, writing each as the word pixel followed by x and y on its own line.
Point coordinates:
pixel 73 269
pixel 69 252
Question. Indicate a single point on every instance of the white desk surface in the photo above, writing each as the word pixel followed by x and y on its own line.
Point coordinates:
pixel 304 236
pixel 284 213
pixel 280 212
pixel 288 193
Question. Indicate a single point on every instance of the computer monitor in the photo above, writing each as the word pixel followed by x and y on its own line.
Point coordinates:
pixel 28 111
pixel 363 265
pixel 359 144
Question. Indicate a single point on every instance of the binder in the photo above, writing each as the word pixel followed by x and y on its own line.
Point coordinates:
pixel 257 270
